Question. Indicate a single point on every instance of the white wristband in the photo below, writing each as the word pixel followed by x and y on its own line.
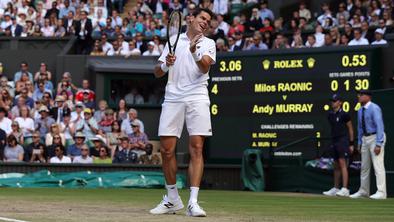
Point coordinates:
pixel 197 56
pixel 164 67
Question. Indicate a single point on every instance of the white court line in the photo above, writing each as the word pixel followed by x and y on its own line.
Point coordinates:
pixel 11 220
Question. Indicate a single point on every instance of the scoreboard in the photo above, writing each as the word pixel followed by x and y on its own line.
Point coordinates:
pixel 270 99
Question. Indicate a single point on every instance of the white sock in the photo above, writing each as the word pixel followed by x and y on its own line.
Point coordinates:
pixel 172 192
pixel 193 194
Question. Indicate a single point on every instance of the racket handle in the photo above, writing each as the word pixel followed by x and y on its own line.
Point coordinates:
pixel 164 67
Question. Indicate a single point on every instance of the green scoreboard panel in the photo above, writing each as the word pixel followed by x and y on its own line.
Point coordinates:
pixel 270 99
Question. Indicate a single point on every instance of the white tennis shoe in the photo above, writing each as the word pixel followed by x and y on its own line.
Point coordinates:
pixel 167 207
pixel 332 192
pixel 344 192
pixel 194 210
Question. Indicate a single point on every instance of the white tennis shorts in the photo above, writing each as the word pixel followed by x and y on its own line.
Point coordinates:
pixel 196 114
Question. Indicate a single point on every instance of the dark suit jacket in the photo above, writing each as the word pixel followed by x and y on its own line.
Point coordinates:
pixel 88 27
pixel 18 30
pixel 65 22
pixel 50 11
pixel 54 112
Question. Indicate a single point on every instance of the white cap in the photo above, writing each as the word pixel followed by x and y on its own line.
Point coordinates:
pixel 151 43
pixel 380 31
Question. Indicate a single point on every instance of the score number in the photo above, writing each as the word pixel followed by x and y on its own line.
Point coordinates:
pixel 354 60
pixel 360 84
pixel 230 66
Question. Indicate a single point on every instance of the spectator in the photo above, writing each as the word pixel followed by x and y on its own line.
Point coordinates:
pixel 16 131
pixel 74 150
pixel 151 50
pixel 297 42
pixel 141 45
pixel 328 40
pixel 121 114
pixel 280 42
pixel 256 43
pixel 223 25
pixel 24 69
pixel 267 26
pixel 304 12
pixel 4 86
pixel 15 29
pixel 28 100
pixel 43 123
pixel 106 122
pixel 26 124
pixel 5 123
pixel 13 152
pixel 220 46
pixel 83 30
pixel 57 112
pixel 84 158
pixel 53 11
pixel 319 36
pixel 70 23
pixel 138 140
pixel 311 42
pixel 54 133
pixel 21 83
pixel 358 39
pixel 149 158
pixel 42 71
pixel 77 115
pixel 87 101
pixel 66 9
pixel 365 32
pixel 98 143
pixel 123 153
pixel 326 13
pixel 126 124
pixel 48 30
pixel 85 88
pixel 60 157
pixel 15 109
pixel 255 22
pixel 107 47
pixel 265 12
pixel 133 50
pixel 220 7
pixel 60 31
pixel 5 99
pixel 379 37
pixel 112 137
pixel 88 126
pixel 236 26
pixel 342 12
pixel 133 97
pixel 97 49
pixel 344 40
pixel 239 41
pixel 67 127
pixel 103 158
pixel 35 151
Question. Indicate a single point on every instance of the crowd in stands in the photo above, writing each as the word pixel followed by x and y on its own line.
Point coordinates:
pixel 60 123
pixel 101 30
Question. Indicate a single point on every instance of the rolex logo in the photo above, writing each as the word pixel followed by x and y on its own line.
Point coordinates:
pixel 266 64
pixel 311 62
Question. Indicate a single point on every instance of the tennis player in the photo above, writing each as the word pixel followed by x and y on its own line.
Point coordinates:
pixel 186 99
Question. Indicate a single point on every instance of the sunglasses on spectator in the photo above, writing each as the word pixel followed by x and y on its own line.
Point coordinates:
pixel 56 138
pixel 57 150
pixel 36 137
pixel 84 149
pixel 103 151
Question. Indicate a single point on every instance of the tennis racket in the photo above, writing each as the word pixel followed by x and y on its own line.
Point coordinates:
pixel 174 27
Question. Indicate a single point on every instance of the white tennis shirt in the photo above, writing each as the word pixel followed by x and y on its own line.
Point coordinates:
pixel 185 81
